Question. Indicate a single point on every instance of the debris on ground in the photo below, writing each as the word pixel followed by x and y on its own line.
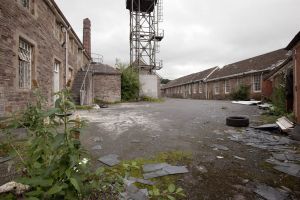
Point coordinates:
pixel 202 169
pixel 162 169
pixel 261 139
pixel 239 158
pixel 220 157
pixel 16 188
pixel 285 124
pixel 142 181
pixel 5 159
pixel 249 103
pixel 219 147
pixel 133 193
pixel 267 127
pixel 96 107
pixel 265 106
pixel 110 160
pixel 98 139
pixel 97 147
pixel 270 193
pixel 285 167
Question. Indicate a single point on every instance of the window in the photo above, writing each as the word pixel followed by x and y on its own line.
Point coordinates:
pixel 195 88
pixel 25 61
pixel 217 88
pixel 200 88
pixel 227 87
pixel 190 89
pixel 25 3
pixel 256 83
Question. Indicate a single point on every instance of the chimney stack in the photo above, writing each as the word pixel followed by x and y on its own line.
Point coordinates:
pixel 87 35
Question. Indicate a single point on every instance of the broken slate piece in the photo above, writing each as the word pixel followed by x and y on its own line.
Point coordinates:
pixel 142 181
pixel 97 147
pixel 110 160
pixel 176 169
pixel 134 193
pixel 155 174
pixel 270 193
pixel 267 127
pixel 5 159
pixel 154 167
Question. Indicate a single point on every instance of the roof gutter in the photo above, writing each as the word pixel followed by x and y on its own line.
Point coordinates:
pixel 240 74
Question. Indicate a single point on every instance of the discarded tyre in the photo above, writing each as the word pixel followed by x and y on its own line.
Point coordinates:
pixel 237 121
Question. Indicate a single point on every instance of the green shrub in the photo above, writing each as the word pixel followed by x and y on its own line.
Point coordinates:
pixel 130 84
pixel 242 93
pixel 151 99
pixel 279 100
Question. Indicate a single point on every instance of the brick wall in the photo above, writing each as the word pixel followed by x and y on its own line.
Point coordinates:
pixel 297 83
pixel 234 84
pixel 107 87
pixel 36 25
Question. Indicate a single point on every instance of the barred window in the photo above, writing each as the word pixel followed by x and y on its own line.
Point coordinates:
pixel 257 83
pixel 25 3
pixel 217 88
pixel 227 87
pixel 25 58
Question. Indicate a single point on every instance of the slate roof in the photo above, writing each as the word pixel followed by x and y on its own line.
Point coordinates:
pixel 295 40
pixel 190 78
pixel 100 68
pixel 259 63
pixel 287 62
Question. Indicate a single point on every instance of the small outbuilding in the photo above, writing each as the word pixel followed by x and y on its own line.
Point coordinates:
pixel 106 83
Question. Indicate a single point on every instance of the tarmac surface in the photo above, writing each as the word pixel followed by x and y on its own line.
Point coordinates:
pixel 223 166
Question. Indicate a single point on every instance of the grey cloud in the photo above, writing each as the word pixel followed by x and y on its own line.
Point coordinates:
pixel 199 33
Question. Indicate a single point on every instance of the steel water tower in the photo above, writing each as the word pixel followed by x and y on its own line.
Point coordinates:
pixel 145 34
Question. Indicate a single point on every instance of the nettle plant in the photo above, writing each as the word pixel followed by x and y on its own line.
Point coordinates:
pixel 55 165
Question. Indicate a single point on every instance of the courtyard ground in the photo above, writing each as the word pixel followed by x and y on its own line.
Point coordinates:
pixel 221 166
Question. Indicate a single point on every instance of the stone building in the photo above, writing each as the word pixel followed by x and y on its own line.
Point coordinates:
pixel 106 83
pixel 294 46
pixel 247 72
pixel 218 83
pixel 38 48
pixel 190 86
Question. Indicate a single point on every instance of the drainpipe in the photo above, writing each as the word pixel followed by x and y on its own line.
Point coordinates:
pixel 206 92
pixel 66 53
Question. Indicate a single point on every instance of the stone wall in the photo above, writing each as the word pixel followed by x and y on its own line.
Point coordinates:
pixel 36 25
pixel 107 87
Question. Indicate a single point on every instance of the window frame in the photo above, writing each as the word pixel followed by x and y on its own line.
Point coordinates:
pixel 254 83
pixel 200 89
pixel 25 60
pixel 227 86
pixel 216 86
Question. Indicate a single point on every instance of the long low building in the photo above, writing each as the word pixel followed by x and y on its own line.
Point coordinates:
pixel 219 83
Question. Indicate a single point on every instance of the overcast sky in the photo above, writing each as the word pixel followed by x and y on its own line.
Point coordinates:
pixel 199 34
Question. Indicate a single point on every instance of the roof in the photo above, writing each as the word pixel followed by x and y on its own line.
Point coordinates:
pixel 259 63
pixel 100 68
pixel 288 62
pixel 200 76
pixel 295 40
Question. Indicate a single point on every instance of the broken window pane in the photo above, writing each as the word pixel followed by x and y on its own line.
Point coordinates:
pixel 25 51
